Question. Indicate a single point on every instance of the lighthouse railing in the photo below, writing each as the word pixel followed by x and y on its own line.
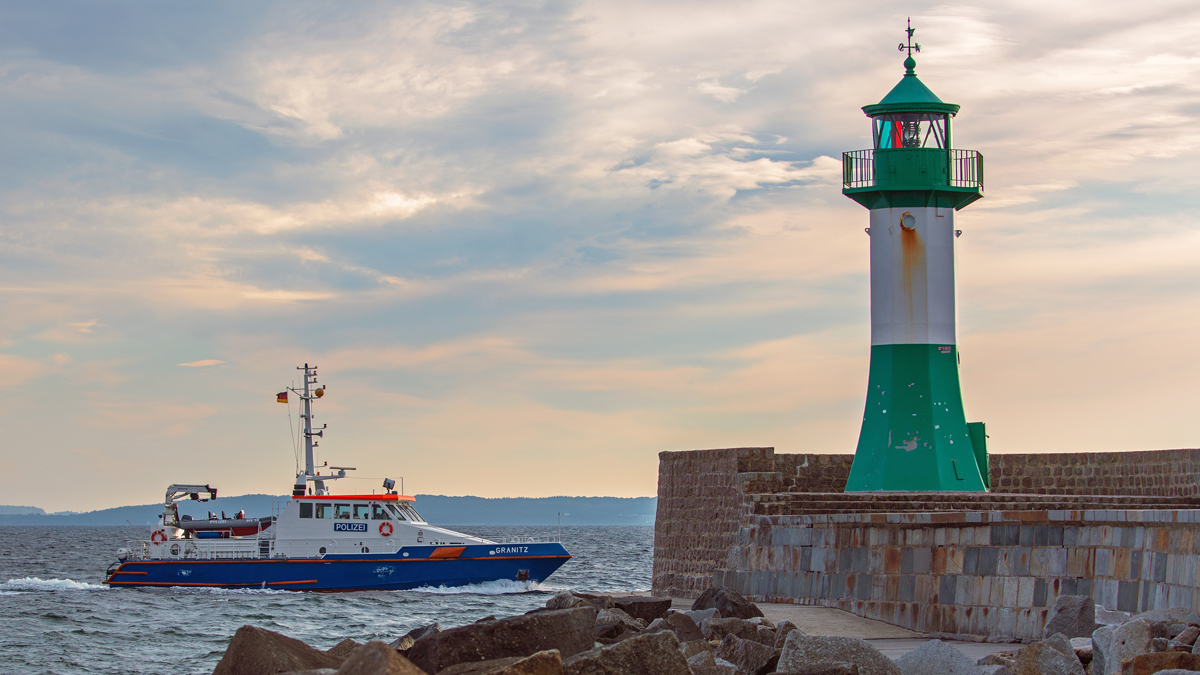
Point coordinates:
pixel 966 168
pixel 955 168
pixel 858 168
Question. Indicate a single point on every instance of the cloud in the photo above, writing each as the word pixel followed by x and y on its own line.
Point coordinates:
pixel 15 370
pixel 203 363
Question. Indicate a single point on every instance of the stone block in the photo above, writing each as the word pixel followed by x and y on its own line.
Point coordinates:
pixel 800 650
pixel 257 651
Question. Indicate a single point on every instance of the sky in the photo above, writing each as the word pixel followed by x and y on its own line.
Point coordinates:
pixel 532 245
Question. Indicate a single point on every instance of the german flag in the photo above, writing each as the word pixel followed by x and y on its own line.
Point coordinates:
pixel 281 397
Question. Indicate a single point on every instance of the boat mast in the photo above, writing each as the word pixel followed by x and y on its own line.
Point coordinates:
pixel 306 398
pixel 310 376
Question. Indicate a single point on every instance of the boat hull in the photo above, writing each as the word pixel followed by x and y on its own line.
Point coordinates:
pixel 410 567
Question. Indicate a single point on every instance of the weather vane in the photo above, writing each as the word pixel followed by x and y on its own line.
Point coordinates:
pixel 910 46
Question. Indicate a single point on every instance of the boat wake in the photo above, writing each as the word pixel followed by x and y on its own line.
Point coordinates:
pixel 28 584
pixel 498 587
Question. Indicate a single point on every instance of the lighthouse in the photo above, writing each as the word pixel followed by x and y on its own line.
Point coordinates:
pixel 915 435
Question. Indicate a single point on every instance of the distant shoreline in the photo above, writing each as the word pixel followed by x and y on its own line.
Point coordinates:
pixel 437 509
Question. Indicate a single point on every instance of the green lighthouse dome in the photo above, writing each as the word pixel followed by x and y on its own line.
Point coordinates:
pixel 910 95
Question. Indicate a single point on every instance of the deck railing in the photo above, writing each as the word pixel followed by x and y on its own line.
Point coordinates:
pixel 964 168
pixel 858 169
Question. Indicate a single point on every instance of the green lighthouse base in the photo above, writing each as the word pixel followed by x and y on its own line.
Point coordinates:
pixel 914 433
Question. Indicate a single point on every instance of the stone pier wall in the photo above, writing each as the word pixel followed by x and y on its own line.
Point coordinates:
pixel 980 565
pixel 975 573
pixel 700 504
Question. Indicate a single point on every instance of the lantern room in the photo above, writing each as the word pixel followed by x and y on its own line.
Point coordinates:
pixel 912 151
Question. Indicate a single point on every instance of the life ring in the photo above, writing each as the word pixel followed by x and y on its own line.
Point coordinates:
pixel 158 537
pixel 385 528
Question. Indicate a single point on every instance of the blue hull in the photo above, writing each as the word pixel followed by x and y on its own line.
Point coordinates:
pixel 410 567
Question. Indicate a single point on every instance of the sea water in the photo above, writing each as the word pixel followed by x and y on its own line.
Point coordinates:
pixel 56 617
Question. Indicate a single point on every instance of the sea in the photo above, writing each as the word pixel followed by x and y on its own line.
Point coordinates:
pixel 57 618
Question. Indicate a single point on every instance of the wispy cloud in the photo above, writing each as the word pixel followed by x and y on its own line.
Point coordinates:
pixel 202 363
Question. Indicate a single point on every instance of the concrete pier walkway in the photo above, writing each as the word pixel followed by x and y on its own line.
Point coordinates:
pixel 893 641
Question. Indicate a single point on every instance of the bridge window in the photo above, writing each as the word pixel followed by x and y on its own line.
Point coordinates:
pixel 341 512
pixel 379 513
pixel 396 511
pixel 306 510
pixel 324 511
pixel 362 511
pixel 910 130
pixel 410 513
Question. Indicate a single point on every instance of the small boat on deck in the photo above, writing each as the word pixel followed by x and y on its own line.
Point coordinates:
pixel 320 541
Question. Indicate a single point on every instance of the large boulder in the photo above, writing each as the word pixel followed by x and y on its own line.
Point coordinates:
pixel 728 603
pixel 652 654
pixel 548 662
pixel 406 641
pixel 1113 644
pixel 612 624
pixel 1188 635
pixel 936 658
pixel 570 631
pixel 683 627
pixel 717 629
pixel 342 650
pixel 257 651
pixel 695 647
pixel 377 658
pixel 781 632
pixel 800 650
pixel 750 657
pixel 1073 616
pixel 646 609
pixel 1052 656
pixel 766 636
pixel 1145 664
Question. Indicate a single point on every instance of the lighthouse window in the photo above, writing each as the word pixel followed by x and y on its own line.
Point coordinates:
pixel 341 512
pixel 910 130
pixel 379 513
pixel 306 510
pixel 362 511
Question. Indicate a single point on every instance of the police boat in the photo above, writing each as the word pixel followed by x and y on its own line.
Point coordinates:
pixel 321 541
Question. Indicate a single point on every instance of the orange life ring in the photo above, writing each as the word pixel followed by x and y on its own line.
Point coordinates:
pixel 385 528
pixel 158 537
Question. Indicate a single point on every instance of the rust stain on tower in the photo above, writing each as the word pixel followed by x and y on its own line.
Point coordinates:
pixel 912 252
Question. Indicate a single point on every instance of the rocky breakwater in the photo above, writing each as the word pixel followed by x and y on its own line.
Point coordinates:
pixel 722 634
pixel 576 634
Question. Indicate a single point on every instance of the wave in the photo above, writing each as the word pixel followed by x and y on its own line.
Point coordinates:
pixel 238 591
pixel 498 587
pixel 36 584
